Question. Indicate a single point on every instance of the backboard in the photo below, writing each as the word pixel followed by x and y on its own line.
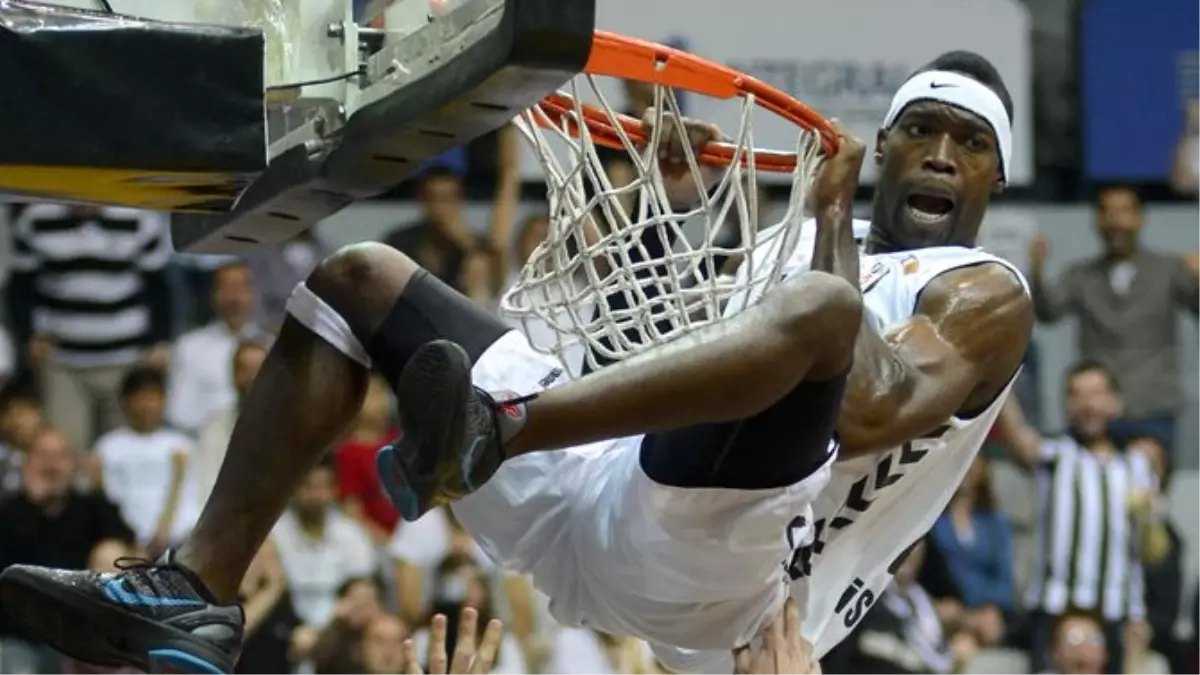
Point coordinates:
pixel 461 74
pixel 350 111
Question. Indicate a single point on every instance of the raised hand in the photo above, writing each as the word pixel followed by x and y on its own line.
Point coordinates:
pixel 469 657
pixel 678 134
pixel 837 177
pixel 782 650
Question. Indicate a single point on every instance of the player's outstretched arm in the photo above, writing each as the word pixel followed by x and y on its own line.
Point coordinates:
pixel 955 355
pixel 834 248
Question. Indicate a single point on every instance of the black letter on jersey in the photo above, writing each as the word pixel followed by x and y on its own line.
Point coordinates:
pixel 853 605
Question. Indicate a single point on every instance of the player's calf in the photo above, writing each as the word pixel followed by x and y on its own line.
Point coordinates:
pixel 381 309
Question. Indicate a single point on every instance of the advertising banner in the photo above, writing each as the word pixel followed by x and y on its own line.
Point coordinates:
pixel 1139 89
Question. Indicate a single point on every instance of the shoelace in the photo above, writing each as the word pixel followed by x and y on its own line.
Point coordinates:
pixel 145 581
pixel 501 405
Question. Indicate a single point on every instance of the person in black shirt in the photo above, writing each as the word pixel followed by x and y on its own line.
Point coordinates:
pixel 49 522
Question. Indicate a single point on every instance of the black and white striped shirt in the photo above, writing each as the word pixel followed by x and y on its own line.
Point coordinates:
pixel 1089 545
pixel 91 281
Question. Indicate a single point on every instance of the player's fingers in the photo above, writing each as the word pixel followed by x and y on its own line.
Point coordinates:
pixel 489 646
pixel 464 651
pixel 770 635
pixel 675 138
pixel 805 650
pixel 791 620
pixel 436 658
pixel 741 659
pixel 702 133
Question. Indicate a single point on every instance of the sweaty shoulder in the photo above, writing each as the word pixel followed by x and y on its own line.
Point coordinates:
pixel 984 311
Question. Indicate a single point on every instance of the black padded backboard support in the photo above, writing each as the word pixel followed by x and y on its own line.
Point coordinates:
pixel 537 46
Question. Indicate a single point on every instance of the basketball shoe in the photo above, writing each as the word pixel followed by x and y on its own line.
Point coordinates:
pixel 153 616
pixel 452 433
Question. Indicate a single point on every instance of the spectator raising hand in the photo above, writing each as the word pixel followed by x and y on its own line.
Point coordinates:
pixel 468 657
pixel 782 649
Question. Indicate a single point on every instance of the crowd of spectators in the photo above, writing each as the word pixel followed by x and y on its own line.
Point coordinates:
pixel 122 385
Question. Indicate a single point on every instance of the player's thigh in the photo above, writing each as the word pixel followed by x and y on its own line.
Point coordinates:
pixel 780 446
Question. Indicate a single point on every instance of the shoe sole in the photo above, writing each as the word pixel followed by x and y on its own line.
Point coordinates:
pixel 85 628
pixel 433 396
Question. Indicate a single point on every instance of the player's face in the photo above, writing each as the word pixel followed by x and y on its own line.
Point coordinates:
pixel 939 166
pixel 1091 404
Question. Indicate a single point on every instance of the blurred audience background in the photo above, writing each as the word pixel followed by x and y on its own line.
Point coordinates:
pixel 1070 546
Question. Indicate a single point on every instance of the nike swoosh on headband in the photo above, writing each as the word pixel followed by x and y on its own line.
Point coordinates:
pixel 935 85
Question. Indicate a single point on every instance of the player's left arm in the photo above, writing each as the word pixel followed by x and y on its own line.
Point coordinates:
pixel 957 353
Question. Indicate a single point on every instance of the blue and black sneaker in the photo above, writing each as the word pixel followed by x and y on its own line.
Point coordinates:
pixel 450 443
pixel 156 617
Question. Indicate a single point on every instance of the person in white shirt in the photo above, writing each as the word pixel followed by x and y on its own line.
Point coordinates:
pixel 201 385
pixel 144 464
pixel 319 547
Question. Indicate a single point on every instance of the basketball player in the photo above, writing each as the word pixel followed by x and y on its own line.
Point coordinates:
pixel 676 535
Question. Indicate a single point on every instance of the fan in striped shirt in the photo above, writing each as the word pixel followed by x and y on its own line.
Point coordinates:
pixel 1098 516
pixel 89 296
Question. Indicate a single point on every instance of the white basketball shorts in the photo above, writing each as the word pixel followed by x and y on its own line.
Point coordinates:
pixel 683 568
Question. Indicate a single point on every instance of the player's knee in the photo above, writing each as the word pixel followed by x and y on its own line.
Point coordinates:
pixel 825 300
pixel 361 282
pixel 842 308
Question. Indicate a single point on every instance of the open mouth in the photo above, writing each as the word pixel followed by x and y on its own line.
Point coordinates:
pixel 929 208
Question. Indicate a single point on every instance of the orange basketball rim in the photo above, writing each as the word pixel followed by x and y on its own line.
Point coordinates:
pixel 629 58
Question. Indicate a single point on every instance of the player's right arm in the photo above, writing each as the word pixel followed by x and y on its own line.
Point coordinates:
pixel 958 352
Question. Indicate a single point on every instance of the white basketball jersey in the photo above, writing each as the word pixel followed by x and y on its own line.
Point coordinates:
pixel 875 507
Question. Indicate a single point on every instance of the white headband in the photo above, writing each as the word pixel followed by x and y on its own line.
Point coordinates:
pixel 961 92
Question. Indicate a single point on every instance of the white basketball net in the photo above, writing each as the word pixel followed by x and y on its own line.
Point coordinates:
pixel 656 260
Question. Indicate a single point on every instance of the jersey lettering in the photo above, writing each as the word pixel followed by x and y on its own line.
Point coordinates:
pixel 854 602
pixel 889 470
pixel 869 279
